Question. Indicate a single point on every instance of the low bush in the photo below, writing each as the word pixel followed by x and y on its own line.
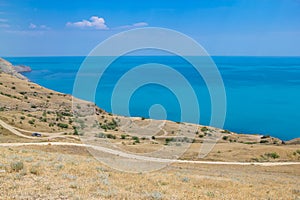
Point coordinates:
pixel 225 131
pixel 203 129
pixel 273 155
pixel 111 136
pixel 61 125
pixel 100 135
pixel 225 137
pixel 16 166
pixel 264 141
pixel 265 136
pixel 136 139
pixel 123 137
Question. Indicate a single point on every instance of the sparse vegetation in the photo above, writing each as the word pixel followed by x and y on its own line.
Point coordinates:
pixel 123 137
pixel 110 126
pixel 16 166
pixel 264 141
pixel 273 155
pixel 136 139
pixel 204 129
pixel 61 125
pixel 225 131
pixel 100 135
pixel 265 136
pixel 225 137
pixel 111 136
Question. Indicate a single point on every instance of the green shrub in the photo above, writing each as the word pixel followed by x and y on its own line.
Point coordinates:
pixel 34 170
pixel 111 136
pixel 249 142
pixel 273 155
pixel 31 121
pixel 264 141
pixel 225 137
pixel 22 117
pixel 203 129
pixel 169 140
pixel 16 166
pixel 61 125
pixel 225 131
pixel 110 126
pixel 100 135
pixel 75 131
pixel 136 139
pixel 123 137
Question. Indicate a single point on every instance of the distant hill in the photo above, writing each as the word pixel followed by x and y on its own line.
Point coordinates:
pixel 8 68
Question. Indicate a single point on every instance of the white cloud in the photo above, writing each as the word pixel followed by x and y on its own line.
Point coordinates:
pixel 140 24
pixel 4 26
pixel 136 25
pixel 94 22
pixel 33 26
pixel 44 27
pixel 3 23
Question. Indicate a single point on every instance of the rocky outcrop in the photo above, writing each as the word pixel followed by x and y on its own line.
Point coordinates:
pixel 8 68
pixel 22 68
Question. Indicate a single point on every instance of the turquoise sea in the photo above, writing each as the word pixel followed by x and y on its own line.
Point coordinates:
pixel 263 93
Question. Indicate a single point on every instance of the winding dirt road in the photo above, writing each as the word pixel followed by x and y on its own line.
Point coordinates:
pixel 124 154
pixel 145 158
pixel 17 132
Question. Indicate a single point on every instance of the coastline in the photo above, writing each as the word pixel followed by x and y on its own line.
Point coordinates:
pixel 24 69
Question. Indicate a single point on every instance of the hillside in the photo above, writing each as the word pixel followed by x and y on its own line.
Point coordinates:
pixel 27 108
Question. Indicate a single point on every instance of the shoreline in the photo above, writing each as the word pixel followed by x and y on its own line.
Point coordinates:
pixel 28 69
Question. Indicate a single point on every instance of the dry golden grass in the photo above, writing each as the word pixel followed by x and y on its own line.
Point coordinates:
pixel 71 173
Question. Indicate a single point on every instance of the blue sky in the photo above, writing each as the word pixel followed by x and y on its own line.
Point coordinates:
pixel 69 27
